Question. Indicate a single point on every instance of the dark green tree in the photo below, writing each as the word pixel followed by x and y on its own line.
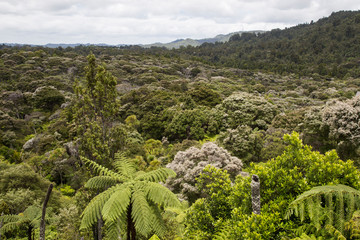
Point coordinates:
pixel 96 111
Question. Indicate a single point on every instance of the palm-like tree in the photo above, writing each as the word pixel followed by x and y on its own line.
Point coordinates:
pixel 132 199
pixel 30 219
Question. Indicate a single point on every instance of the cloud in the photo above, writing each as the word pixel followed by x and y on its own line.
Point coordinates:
pixel 143 21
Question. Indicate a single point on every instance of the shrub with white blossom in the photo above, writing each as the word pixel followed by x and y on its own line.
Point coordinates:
pixel 189 164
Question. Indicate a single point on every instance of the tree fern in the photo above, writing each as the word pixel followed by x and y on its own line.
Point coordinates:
pixel 158 175
pixel 124 166
pixel 117 204
pixel 93 210
pixel 353 226
pixel 30 219
pixel 141 212
pixel 132 199
pixel 101 170
pixel 101 182
pixel 330 205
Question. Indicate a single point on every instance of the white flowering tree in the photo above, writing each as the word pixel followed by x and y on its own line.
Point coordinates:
pixel 343 122
pixel 189 164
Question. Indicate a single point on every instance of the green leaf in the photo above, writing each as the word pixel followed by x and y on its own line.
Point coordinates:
pixel 117 204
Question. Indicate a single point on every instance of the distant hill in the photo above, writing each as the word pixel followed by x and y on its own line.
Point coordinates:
pixel 63 45
pixel 197 42
pixel 175 44
pixel 328 47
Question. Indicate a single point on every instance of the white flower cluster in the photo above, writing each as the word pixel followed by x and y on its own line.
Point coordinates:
pixel 189 164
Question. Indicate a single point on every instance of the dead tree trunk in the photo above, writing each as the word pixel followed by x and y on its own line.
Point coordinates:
pixel 42 223
pixel 255 194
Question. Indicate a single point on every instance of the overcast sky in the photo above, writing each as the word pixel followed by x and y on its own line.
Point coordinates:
pixel 149 21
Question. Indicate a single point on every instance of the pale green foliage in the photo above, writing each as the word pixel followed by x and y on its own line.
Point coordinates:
pixel 68 222
pixel 340 203
pixel 130 196
pixel 243 108
pixel 209 213
pixel 243 142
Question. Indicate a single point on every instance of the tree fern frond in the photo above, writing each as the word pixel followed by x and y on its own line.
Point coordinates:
pixel 302 211
pixel 102 182
pixel 9 218
pixel 334 232
pixel 158 175
pixel 100 169
pixel 336 212
pixel 339 214
pixel 141 213
pixel 124 166
pixel 161 195
pixel 310 207
pixel 9 227
pixel 113 230
pixel 353 226
pixel 157 222
pixel 329 208
pixel 93 210
pixel 350 203
pixel 32 212
pixel 154 237
pixel 117 204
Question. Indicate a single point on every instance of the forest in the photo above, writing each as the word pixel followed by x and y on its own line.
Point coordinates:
pixel 254 138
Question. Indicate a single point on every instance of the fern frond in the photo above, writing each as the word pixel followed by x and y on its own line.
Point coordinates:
pixel 93 210
pixel 10 218
pixel 334 232
pixel 353 226
pixel 102 182
pixel 113 230
pixel 9 227
pixel 335 211
pixel 101 169
pixel 141 212
pixel 124 166
pixel 154 237
pixel 302 211
pixel 350 203
pixel 161 195
pixel 329 208
pixel 32 212
pixel 158 175
pixel 157 222
pixel 339 214
pixel 117 204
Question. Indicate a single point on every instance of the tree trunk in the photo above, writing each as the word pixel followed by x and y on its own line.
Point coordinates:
pixel 42 222
pixel 100 224
pixel 29 232
pixel 131 233
pixel 255 194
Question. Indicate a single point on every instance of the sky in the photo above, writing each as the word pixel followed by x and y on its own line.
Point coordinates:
pixel 149 21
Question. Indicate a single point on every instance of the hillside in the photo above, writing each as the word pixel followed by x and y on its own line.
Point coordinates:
pixel 221 38
pixel 328 47
pixel 105 125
